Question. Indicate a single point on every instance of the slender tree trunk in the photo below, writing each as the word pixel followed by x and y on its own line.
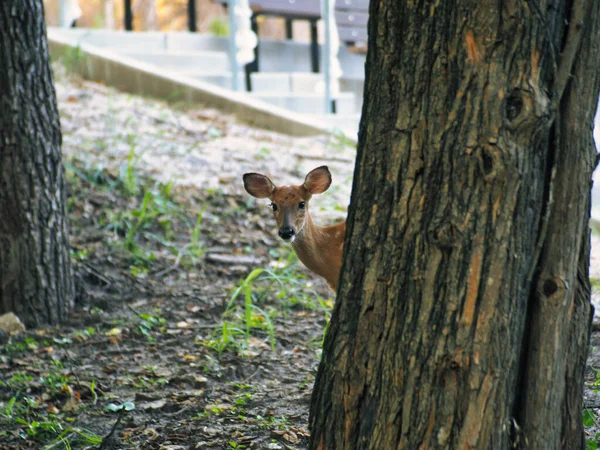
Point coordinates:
pixel 463 312
pixel 35 271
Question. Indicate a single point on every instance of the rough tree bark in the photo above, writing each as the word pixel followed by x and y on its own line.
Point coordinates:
pixel 463 313
pixel 35 272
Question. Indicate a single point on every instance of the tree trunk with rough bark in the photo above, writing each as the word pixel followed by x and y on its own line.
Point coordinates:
pixel 463 313
pixel 36 281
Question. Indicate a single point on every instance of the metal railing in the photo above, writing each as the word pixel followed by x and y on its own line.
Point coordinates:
pixel 233 48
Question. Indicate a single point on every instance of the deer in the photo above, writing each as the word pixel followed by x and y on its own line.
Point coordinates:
pixel 318 248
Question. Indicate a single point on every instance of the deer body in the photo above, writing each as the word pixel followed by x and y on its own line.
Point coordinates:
pixel 319 248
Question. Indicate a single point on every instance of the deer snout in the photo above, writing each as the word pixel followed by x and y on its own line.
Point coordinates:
pixel 286 233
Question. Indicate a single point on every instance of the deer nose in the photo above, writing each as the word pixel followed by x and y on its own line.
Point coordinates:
pixel 286 233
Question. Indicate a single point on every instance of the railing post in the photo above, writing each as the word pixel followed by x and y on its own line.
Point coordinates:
pixel 326 14
pixel 192 16
pixel 62 13
pixel 233 62
pixel 128 16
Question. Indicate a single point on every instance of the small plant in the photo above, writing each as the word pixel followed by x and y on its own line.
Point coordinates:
pixel 148 323
pixel 72 58
pixel 589 421
pixel 129 171
pixel 338 141
pixel 124 407
pixel 218 27
pixel 281 283
pixel 196 248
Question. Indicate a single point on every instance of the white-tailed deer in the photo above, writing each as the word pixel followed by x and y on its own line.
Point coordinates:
pixel 319 248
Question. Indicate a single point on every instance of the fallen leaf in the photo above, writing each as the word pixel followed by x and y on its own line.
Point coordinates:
pixel 290 436
pixel 71 404
pixel 157 404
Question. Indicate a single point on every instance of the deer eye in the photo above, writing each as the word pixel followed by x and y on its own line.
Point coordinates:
pixel 274 206
pixel 301 205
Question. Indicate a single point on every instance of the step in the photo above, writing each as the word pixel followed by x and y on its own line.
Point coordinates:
pixel 286 82
pixel 299 82
pixel 183 61
pixel 305 103
pixel 222 79
pixel 341 121
pixel 142 41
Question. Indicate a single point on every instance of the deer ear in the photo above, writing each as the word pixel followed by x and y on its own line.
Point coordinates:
pixel 258 185
pixel 318 180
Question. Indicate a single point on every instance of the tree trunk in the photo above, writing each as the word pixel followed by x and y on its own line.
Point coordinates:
pixel 36 282
pixel 463 312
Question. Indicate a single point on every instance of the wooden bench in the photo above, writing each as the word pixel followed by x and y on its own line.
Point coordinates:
pixel 351 17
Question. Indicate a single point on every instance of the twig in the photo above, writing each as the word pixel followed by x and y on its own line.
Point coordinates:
pixel 96 273
pixel 245 380
pixel 169 269
pixel 132 309
pixel 112 431
pixel 72 367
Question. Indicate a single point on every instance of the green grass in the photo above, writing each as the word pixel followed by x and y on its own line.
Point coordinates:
pixel 258 299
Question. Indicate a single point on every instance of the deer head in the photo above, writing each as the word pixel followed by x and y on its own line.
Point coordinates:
pixel 289 203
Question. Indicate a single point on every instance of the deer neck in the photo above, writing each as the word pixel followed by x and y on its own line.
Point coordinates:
pixel 310 237
pixel 311 247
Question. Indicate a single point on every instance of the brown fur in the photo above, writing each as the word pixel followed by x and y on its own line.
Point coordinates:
pixel 319 248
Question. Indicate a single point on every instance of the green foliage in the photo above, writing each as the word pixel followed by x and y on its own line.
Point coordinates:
pixel 124 407
pixel 218 27
pixel 72 58
pixel 338 141
pixel 284 285
pixel 590 421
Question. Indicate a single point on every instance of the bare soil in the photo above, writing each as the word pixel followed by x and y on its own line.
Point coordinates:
pixel 179 340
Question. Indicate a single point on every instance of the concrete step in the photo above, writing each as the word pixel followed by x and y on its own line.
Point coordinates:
pixel 142 41
pixel 222 79
pixel 348 123
pixel 305 103
pixel 305 82
pixel 184 61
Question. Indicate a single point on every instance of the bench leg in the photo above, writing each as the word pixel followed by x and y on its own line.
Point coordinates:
pixel 288 29
pixel 128 16
pixel 192 16
pixel 253 66
pixel 314 46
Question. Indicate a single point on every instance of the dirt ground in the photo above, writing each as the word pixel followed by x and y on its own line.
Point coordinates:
pixel 195 327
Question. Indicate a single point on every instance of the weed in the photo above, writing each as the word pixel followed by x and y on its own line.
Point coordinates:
pixel 72 58
pixel 124 407
pixel 55 383
pixel 196 248
pixel 17 381
pixel 211 410
pixel 589 421
pixel 149 323
pixel 218 27
pixel 281 422
pixel 256 288
pixel 129 171
pixel 338 141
